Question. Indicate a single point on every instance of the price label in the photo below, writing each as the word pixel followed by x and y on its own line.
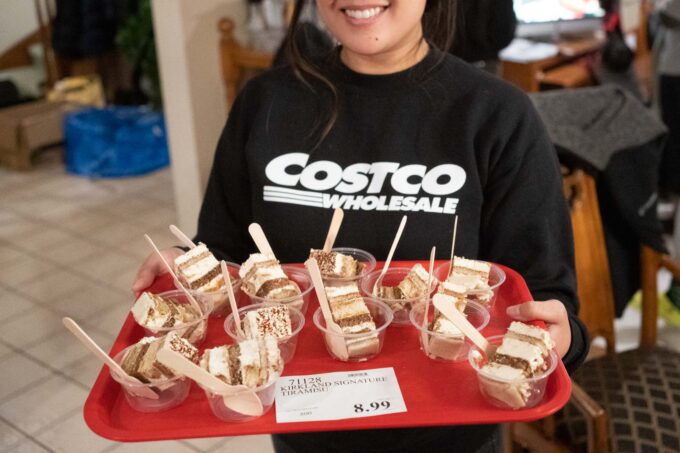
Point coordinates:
pixel 373 406
pixel 336 396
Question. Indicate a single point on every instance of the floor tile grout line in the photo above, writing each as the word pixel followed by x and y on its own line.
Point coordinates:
pixel 57 226
pixel 52 309
pixel 23 389
pixel 188 445
pixel 14 316
pixel 35 300
pixel 117 195
pixel 52 369
pixel 33 254
pixel 80 410
pixel 26 435
pixel 74 236
pixel 54 423
pixel 66 268
pixel 43 184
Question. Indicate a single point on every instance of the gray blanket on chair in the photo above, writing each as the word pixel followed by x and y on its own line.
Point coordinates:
pixel 610 133
pixel 595 123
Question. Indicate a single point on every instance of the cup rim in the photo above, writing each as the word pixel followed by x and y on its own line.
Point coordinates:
pixel 288 269
pixel 376 273
pixel 206 307
pixel 369 260
pixel 389 317
pixel 293 311
pixel 494 268
pixel 486 317
pixel 496 339
pixel 256 389
pixel 118 358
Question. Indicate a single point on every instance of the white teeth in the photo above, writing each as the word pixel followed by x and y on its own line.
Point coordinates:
pixel 364 13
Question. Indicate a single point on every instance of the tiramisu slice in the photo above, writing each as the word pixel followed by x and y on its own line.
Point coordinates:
pixel 140 360
pixel 456 291
pixel 336 265
pixel 449 340
pixel 274 321
pixel 262 276
pixel 479 269
pixel 522 354
pixel 157 314
pixel 251 362
pixel 474 276
pixel 199 270
pixel 413 286
pixel 351 314
pixel 154 312
pixel 415 283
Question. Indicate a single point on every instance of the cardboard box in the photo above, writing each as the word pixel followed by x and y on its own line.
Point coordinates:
pixel 28 127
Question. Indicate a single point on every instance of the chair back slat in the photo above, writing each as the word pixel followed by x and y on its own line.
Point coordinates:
pixel 592 265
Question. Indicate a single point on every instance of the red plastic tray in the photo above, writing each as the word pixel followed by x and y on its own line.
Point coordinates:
pixel 436 393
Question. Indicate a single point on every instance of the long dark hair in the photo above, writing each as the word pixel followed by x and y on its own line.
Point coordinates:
pixel 438 28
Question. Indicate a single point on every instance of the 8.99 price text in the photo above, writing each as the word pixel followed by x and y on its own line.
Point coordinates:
pixel 373 406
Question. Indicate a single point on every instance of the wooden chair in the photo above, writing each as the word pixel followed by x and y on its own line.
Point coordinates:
pixel 609 383
pixel 237 60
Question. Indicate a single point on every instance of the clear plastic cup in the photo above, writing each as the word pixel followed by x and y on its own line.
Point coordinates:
pixel 287 345
pixel 446 347
pixel 400 307
pixel 265 393
pixel 220 298
pixel 486 297
pixel 171 392
pixel 300 276
pixel 195 331
pixel 361 346
pixel 511 394
pixel 360 255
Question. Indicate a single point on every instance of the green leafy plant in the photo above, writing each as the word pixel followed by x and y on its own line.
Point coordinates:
pixel 135 39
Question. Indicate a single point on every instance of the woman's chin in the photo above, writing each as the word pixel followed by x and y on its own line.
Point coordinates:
pixel 369 47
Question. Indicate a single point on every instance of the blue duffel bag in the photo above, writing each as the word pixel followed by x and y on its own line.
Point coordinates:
pixel 115 141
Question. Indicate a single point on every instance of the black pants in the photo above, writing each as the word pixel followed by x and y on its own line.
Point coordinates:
pixel 669 91
pixel 463 439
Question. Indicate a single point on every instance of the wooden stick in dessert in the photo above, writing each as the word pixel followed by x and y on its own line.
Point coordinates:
pixel 400 230
pixel 453 245
pixel 423 332
pixel 182 237
pixel 449 310
pixel 232 299
pixel 192 301
pixel 260 239
pixel 139 388
pixel 336 221
pixel 336 339
pixel 238 398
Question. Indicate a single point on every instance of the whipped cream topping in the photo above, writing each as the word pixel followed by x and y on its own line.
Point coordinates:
pixel 254 260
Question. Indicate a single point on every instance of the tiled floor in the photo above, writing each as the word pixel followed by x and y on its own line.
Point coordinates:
pixel 71 246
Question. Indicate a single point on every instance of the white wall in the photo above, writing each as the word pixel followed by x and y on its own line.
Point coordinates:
pixel 193 92
pixel 17 19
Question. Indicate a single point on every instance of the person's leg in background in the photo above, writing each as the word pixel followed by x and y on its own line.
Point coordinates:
pixel 670 177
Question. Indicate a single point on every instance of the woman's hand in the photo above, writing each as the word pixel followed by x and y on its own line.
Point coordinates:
pixel 153 267
pixel 553 313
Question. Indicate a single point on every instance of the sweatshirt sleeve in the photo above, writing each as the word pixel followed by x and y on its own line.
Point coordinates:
pixel 525 220
pixel 226 211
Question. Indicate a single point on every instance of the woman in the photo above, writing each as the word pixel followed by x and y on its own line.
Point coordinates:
pixel 398 127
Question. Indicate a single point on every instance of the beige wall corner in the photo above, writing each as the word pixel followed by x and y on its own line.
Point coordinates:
pixel 193 92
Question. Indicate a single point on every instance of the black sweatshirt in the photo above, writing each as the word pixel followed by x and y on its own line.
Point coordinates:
pixel 438 139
